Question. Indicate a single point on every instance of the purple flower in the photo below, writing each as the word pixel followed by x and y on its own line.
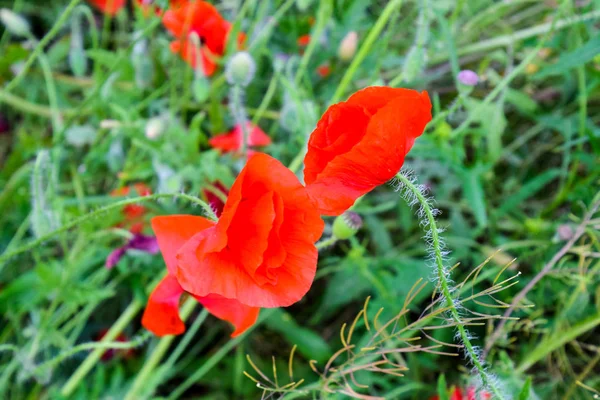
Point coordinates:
pixel 148 244
pixel 468 77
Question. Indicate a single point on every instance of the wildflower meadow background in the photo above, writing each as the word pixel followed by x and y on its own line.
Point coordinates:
pixel 188 211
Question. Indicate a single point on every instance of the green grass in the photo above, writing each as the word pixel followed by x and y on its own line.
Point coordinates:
pixel 512 164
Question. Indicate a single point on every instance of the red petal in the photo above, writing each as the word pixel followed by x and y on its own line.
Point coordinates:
pixel 256 135
pixel 110 7
pixel 173 231
pixel 336 177
pixel 161 316
pixel 227 142
pixel 221 260
pixel 240 316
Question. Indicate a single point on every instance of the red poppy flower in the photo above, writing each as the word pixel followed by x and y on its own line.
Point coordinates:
pixel 134 213
pixel 162 312
pixel 110 7
pixel 324 70
pixel 203 19
pixel 214 197
pixel 303 40
pixel 261 252
pixel 232 141
pixel 361 143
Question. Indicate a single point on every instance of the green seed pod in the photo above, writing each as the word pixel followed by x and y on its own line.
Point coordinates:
pixel 346 225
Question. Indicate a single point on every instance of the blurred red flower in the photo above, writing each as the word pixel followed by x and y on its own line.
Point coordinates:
pixel 361 143
pixel 303 40
pixel 231 141
pixel 110 7
pixel 261 252
pixel 457 394
pixel 134 214
pixel 324 70
pixel 162 311
pixel 202 18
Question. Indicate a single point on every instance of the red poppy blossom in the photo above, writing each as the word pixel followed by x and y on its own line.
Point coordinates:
pixel 162 312
pixel 261 252
pixel 232 141
pixel 324 70
pixel 110 7
pixel 361 143
pixel 133 213
pixel 203 19
pixel 303 40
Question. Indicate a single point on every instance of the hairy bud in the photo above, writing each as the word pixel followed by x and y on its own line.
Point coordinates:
pixel 240 69
pixel 348 46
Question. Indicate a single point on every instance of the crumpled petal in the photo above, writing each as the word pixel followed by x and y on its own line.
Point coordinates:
pixel 347 158
pixel 240 316
pixel 161 316
pixel 232 140
pixel 211 262
pixel 173 231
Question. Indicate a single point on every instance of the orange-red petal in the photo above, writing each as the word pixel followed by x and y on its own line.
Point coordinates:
pixel 278 266
pixel 239 315
pixel 110 7
pixel 361 144
pixel 173 231
pixel 161 316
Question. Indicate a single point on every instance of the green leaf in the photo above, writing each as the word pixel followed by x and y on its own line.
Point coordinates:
pixel 524 395
pixel 528 190
pixel 473 190
pixel 310 344
pixel 442 388
pixel 572 59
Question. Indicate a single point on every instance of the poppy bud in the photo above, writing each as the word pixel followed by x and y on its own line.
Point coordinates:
pixel 14 23
pixel 240 69
pixel 154 128
pixel 77 60
pixel 468 77
pixel 346 225
pixel 414 63
pixel 348 46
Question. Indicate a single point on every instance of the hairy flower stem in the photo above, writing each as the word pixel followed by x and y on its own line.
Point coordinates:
pixel 444 285
pixel 94 214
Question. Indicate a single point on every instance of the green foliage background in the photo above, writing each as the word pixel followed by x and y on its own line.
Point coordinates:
pixel 512 163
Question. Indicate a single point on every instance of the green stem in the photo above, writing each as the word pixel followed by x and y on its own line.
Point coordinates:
pixel 157 355
pixel 444 286
pixel 323 16
pixel 94 356
pixel 264 104
pixel 215 358
pixel 77 221
pixel 326 243
pixel 555 341
pixel 373 36
pixel 93 346
pixel 41 45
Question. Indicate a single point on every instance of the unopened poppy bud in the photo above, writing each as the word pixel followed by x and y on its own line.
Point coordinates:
pixel 468 77
pixel 565 232
pixel 240 69
pixel 348 46
pixel 154 128
pixel 14 23
pixel 346 225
